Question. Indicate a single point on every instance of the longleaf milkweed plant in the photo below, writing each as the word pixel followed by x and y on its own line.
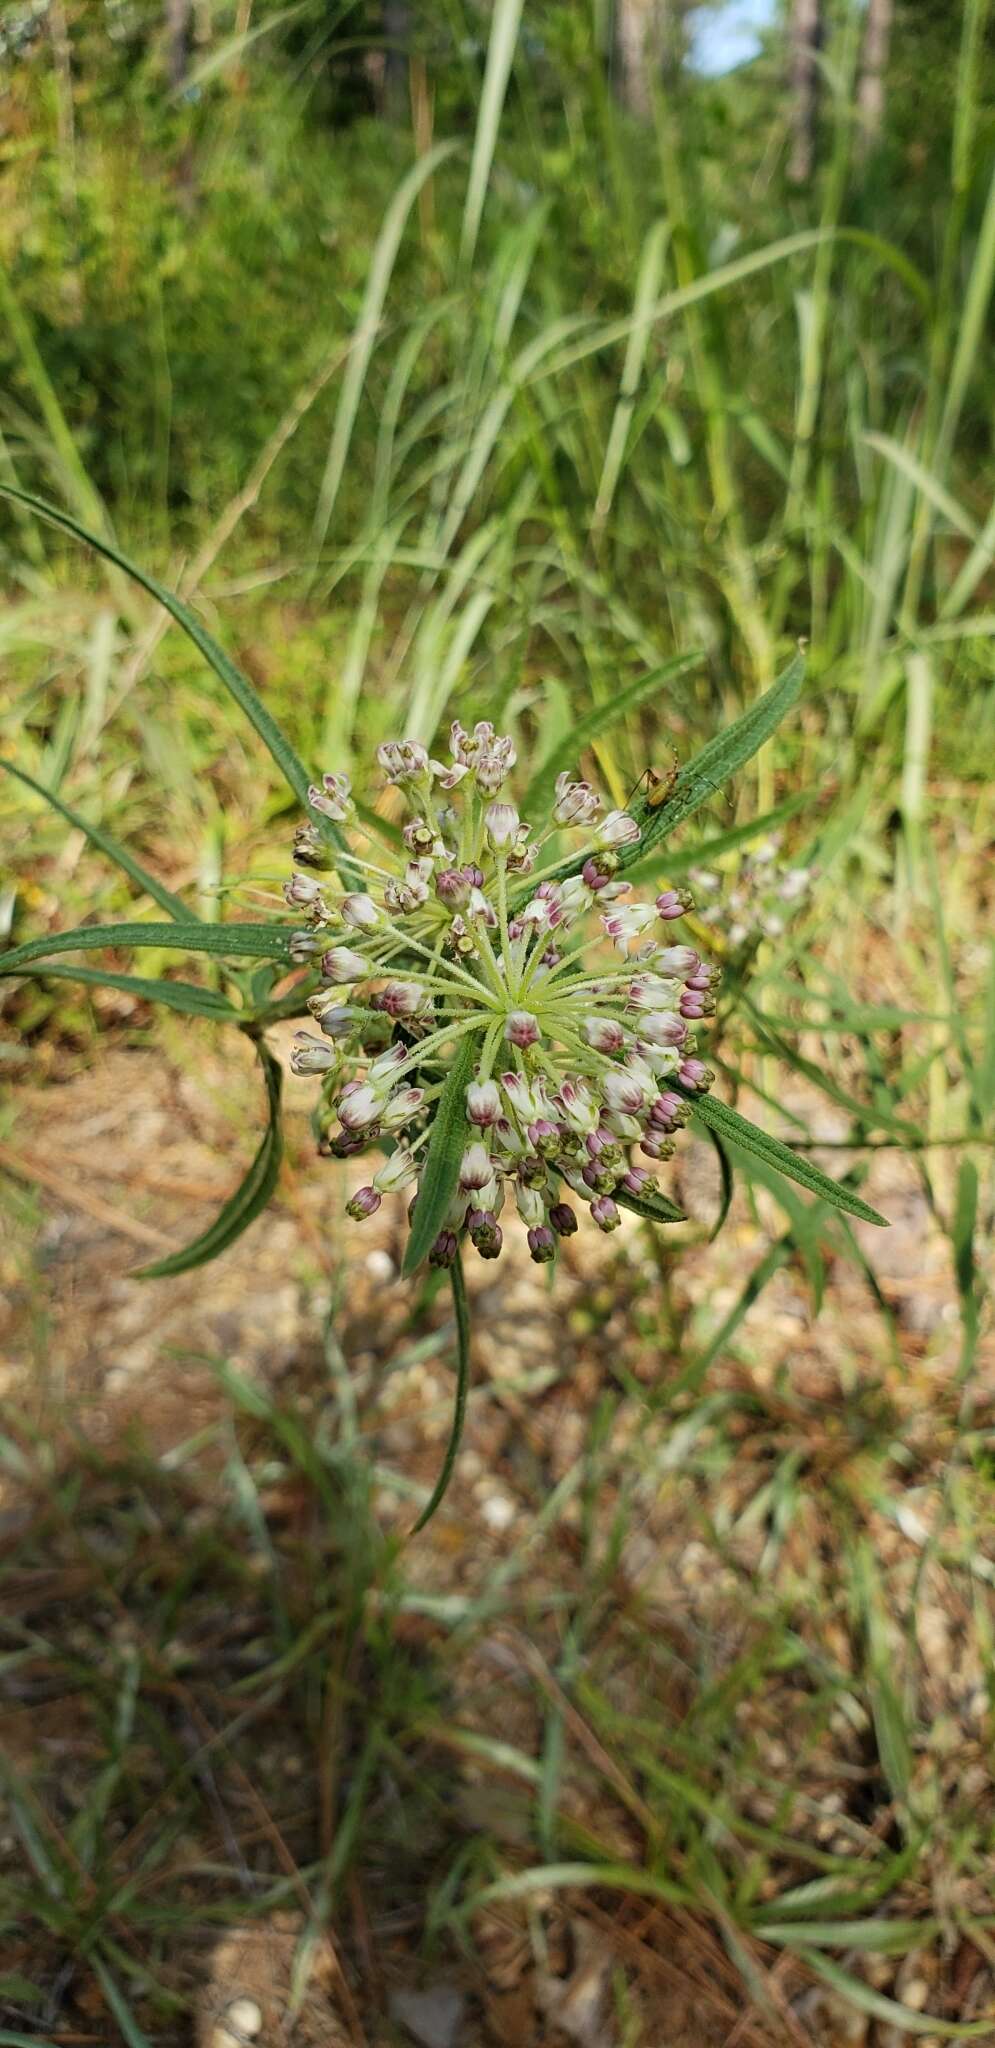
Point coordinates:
pixel 496 1013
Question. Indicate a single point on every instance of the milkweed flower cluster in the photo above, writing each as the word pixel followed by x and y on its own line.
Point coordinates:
pixel 580 1011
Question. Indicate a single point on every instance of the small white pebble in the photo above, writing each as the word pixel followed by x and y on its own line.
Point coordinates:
pixel 916 1994
pixel 380 1266
pixel 498 1511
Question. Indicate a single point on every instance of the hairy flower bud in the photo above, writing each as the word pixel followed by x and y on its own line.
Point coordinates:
pixel 311 1055
pixel 483 1104
pixel 360 911
pixel 340 964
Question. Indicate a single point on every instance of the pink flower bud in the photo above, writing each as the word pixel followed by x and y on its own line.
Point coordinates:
pixel 522 1029
pixel 365 1202
pixel 501 822
pixel 341 964
pixel 483 1104
pixel 542 1244
pixel 605 1213
pixel 603 1033
pixel 360 911
pixel 311 1055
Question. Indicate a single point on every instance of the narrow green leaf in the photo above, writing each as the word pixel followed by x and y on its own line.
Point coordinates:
pixel 132 2033
pixel 598 721
pixel 250 1197
pixel 903 2017
pixel 728 1184
pixel 653 1208
pixel 445 1150
pixel 172 905
pixel 723 756
pixel 872 1937
pixel 184 996
pixel 239 685
pixel 729 1124
pixel 708 850
pixel 462 1388
pixel 231 941
pixel 505 18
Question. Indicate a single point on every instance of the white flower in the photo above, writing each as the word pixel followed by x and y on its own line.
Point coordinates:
pixel 617 828
pixel 448 947
pixel 501 822
pixel 576 802
pixel 341 964
pixel 361 912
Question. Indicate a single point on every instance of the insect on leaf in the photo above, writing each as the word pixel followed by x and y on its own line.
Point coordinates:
pixel 722 757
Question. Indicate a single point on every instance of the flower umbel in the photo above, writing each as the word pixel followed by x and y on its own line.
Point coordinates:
pixel 579 1011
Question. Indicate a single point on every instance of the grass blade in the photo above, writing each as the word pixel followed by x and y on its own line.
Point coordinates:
pixel 292 769
pixel 226 942
pixel 462 1387
pixel 171 904
pixel 250 1197
pixel 729 1125
pixel 505 19
pixel 445 1150
pixel 367 326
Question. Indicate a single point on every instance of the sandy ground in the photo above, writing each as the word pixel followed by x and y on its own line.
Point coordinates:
pixel 110 1166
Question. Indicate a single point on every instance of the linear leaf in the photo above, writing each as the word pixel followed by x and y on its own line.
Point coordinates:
pixel 902 2017
pixel 172 905
pixel 749 1138
pixel 184 996
pixel 245 696
pixel 462 1388
pixel 250 1197
pixel 445 1150
pixel 588 729
pixel 723 756
pixel 655 1208
pixel 709 850
pixel 231 941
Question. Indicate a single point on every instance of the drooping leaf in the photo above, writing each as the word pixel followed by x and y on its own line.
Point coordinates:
pixel 172 905
pixel 184 996
pixel 708 850
pixel 724 756
pixel 462 1387
pixel 653 1208
pixel 581 735
pixel 750 1138
pixel 245 696
pixel 250 1197
pixel 442 1159
pixel 231 941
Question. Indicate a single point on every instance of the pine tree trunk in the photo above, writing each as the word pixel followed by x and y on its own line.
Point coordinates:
pixel 870 92
pixel 640 36
pixel 805 35
pixel 178 40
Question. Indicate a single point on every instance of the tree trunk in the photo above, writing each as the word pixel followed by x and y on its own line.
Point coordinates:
pixel 870 92
pixel 805 36
pixel 178 40
pixel 640 37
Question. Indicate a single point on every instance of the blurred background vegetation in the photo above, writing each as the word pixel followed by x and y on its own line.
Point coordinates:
pixel 478 358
